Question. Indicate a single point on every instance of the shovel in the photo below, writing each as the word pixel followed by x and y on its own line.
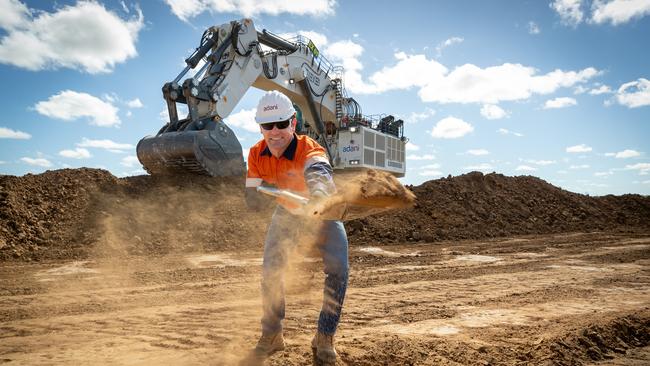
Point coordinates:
pixel 339 206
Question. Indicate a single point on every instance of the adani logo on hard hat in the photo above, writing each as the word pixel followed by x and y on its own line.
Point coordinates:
pixel 270 107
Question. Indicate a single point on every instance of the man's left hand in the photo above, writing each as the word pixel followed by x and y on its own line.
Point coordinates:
pixel 316 205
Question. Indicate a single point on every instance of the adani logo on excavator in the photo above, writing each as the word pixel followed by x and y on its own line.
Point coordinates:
pixel 351 148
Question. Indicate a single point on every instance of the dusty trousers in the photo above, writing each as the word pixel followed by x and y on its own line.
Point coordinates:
pixel 284 233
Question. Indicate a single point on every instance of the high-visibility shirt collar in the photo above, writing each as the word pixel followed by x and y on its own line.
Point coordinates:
pixel 288 153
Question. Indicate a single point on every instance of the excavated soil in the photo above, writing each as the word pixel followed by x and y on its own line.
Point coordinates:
pixel 482 270
pixel 363 194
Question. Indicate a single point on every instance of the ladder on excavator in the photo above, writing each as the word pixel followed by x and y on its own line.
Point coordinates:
pixel 337 82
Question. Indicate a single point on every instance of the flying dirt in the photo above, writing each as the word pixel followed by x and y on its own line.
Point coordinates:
pixel 483 269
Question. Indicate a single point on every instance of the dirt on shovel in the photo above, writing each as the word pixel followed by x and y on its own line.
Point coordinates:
pixel 363 194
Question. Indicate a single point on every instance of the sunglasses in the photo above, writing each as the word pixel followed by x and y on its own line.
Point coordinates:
pixel 280 125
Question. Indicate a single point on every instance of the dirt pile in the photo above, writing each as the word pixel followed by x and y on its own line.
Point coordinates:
pixel 74 213
pixel 474 206
pixel 47 210
pixel 68 213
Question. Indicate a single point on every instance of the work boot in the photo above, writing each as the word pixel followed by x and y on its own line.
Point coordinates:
pixel 268 344
pixel 323 347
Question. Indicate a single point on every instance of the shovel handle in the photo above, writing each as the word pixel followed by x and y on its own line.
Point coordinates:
pixel 284 194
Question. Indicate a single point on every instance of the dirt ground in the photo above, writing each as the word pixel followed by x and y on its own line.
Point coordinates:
pixel 555 299
pixel 482 270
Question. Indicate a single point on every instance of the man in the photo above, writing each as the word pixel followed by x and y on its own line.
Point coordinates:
pixel 299 164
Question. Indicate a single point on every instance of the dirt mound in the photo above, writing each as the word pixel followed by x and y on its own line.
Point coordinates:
pixel 47 210
pixel 474 206
pixel 72 213
pixel 599 341
pixel 68 213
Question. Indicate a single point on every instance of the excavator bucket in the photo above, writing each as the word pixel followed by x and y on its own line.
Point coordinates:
pixel 213 151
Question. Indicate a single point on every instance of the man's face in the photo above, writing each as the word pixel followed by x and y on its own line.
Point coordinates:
pixel 278 139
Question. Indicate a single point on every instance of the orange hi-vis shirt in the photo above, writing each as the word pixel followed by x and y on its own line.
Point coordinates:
pixel 286 172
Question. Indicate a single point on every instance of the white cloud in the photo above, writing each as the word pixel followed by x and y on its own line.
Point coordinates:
pixel 448 42
pixel 508 82
pixel 37 162
pixel 525 168
pixel 13 14
pixel 85 36
pixel 69 105
pixel 578 149
pixel 186 9
pixel 483 167
pixel 130 161
pixel 78 153
pixel 465 84
pixel 504 131
pixel 415 117
pixel 541 162
pixel 420 157
pixel 409 71
pixel 533 28
pixel 245 119
pixel 411 146
pixel 135 103
pixel 603 174
pixel 492 111
pixel 451 128
pixel 634 94
pixel 580 89
pixel 619 11
pixel 8 133
pixel 181 110
pixel 627 153
pixel 105 144
pixel 561 102
pixel 569 11
pixel 319 39
pixel 430 170
pixel 431 166
pixel 477 152
pixel 603 89
pixel 602 11
pixel 583 166
pixel 430 173
pixel 641 167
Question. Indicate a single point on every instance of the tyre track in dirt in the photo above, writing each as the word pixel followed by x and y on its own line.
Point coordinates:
pixel 515 301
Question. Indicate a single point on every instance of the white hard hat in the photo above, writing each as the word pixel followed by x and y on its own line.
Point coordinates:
pixel 273 107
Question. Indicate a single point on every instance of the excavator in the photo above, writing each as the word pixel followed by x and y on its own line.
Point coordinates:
pixel 233 57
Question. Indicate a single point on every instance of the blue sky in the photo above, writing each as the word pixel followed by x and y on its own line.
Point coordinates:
pixel 554 89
